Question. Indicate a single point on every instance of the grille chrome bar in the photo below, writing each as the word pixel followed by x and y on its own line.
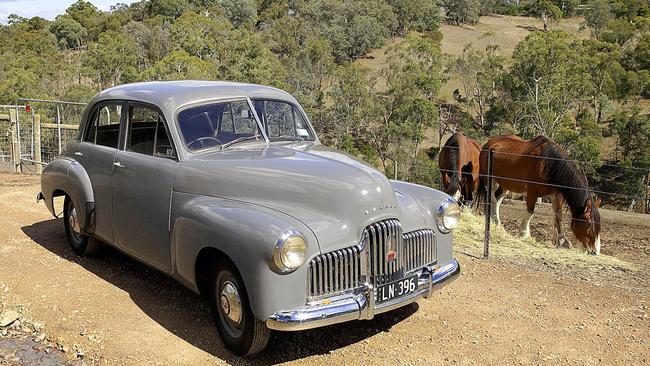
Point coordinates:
pixel 346 269
pixel 384 236
pixel 335 271
pixel 420 249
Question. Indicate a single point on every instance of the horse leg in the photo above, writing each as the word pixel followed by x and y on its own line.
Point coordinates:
pixel 531 199
pixel 500 194
pixel 494 214
pixel 560 239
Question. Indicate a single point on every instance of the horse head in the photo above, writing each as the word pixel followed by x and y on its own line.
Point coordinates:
pixel 585 225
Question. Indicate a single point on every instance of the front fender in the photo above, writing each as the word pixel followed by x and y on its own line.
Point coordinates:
pixel 429 199
pixel 246 234
pixel 64 175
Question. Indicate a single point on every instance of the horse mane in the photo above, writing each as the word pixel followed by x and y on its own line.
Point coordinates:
pixel 565 175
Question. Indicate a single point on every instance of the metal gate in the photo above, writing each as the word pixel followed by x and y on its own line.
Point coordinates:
pixel 35 132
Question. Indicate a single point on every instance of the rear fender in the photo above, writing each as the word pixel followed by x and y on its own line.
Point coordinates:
pixel 65 176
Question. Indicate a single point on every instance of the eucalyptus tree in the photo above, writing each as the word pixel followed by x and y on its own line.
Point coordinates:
pixel 479 72
pixel 546 11
pixel 546 81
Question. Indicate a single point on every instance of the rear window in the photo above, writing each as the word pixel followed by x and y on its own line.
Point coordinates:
pixel 215 124
pixel 104 128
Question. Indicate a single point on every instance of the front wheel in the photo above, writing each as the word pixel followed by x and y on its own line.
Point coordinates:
pixel 80 243
pixel 240 331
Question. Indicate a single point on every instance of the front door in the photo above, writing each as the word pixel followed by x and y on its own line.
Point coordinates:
pixel 96 153
pixel 142 187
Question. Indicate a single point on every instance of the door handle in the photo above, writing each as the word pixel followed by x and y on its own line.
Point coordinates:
pixel 118 164
pixel 79 153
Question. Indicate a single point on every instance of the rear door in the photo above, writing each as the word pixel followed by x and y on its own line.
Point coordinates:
pixel 96 153
pixel 142 187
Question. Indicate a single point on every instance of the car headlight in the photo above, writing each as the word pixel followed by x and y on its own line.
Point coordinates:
pixel 290 251
pixel 448 215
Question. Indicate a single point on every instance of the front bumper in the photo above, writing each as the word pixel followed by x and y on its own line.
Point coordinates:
pixel 360 304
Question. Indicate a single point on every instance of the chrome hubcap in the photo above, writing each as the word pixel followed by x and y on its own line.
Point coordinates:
pixel 230 302
pixel 74 222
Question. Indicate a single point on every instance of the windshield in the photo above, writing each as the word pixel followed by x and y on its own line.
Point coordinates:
pixel 282 120
pixel 218 124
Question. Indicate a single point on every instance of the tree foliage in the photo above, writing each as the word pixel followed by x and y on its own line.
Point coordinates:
pixel 572 90
pixel 546 11
pixel 461 11
pixel 546 80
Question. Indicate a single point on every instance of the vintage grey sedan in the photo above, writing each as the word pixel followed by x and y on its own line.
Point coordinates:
pixel 226 188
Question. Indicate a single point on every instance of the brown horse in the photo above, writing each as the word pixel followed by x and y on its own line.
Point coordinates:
pixel 459 166
pixel 539 168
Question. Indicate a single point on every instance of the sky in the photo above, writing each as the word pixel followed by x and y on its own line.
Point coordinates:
pixel 47 9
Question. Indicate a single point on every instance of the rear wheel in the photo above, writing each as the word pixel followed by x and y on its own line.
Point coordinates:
pixel 80 243
pixel 240 331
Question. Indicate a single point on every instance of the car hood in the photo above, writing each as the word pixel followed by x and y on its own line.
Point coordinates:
pixel 334 194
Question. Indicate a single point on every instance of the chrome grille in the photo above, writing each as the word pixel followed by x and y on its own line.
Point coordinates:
pixel 419 249
pixel 335 271
pixel 345 269
pixel 378 237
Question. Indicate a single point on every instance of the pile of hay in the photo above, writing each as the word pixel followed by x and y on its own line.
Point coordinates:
pixel 468 239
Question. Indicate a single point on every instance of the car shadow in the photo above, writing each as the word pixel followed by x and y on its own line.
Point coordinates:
pixel 184 313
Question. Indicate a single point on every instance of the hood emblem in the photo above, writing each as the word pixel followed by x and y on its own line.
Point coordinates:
pixel 391 248
pixel 374 209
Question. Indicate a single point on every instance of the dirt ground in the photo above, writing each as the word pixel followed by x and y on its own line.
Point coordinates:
pixel 119 312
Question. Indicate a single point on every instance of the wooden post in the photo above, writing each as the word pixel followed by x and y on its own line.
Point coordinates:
pixel 58 126
pixel 647 194
pixel 15 144
pixel 37 143
pixel 488 206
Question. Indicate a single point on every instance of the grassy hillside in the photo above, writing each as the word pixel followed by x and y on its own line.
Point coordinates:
pixel 502 30
pixel 505 31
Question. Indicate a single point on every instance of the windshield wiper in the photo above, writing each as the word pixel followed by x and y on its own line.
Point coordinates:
pixel 287 138
pixel 238 140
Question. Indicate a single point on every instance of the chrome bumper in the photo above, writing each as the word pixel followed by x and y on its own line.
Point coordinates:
pixel 359 304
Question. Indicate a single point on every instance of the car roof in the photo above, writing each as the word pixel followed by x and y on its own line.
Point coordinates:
pixel 170 95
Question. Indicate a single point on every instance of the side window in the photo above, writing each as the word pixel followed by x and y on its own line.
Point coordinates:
pixel 147 134
pixel 104 127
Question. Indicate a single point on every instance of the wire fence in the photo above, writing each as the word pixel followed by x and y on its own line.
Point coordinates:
pixel 35 132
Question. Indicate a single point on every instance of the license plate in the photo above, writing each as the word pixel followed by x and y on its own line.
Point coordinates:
pixel 396 289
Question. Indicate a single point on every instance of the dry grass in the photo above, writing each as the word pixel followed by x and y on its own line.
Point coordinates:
pixel 502 30
pixel 468 239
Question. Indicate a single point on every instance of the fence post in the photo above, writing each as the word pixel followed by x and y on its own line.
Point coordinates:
pixel 488 206
pixel 37 143
pixel 15 145
pixel 647 194
pixel 58 126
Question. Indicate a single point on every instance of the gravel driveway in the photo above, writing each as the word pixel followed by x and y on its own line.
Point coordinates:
pixel 119 312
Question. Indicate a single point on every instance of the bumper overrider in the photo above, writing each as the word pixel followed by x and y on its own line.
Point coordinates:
pixel 360 304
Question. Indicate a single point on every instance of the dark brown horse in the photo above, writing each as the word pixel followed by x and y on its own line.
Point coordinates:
pixel 539 168
pixel 459 166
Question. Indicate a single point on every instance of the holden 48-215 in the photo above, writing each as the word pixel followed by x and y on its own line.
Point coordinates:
pixel 226 188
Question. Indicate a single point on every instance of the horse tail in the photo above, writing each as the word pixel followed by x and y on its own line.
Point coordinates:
pixel 481 192
pixel 453 156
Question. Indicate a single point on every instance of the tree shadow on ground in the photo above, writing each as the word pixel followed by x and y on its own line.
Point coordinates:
pixel 529 28
pixel 184 313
